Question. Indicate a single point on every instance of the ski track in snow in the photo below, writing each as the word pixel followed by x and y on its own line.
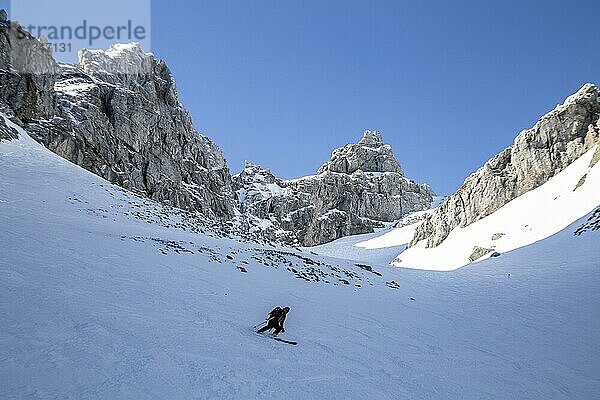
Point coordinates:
pixel 96 303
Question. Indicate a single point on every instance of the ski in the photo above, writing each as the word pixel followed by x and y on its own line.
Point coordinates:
pixel 284 341
pixel 278 339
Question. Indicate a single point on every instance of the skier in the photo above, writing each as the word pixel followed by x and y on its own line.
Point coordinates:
pixel 275 320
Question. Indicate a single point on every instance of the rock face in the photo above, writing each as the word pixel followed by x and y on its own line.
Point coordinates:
pixel 539 153
pixel 592 223
pixel 118 116
pixel 370 154
pixel 479 252
pixel 7 132
pixel 361 187
pixel 27 73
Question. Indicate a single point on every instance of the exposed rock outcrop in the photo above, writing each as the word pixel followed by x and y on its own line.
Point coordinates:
pixel 539 153
pixel 479 252
pixel 118 116
pixel 370 154
pixel 497 235
pixel 27 73
pixel 360 188
pixel 7 132
pixel 591 224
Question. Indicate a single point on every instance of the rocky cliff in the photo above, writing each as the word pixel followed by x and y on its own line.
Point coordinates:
pixel 27 73
pixel 360 188
pixel 7 132
pixel 117 114
pixel 539 153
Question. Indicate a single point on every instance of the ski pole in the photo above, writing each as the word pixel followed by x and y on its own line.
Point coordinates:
pixel 257 325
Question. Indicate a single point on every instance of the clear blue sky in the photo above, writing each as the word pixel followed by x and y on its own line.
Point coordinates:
pixel 448 83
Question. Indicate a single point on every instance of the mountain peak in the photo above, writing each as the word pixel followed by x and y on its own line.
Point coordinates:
pixel 371 138
pixel 122 58
pixel 587 93
pixel 370 154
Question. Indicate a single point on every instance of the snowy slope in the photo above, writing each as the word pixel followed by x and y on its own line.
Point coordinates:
pixel 535 215
pixel 104 295
pixel 379 247
pixel 352 248
pixel 392 238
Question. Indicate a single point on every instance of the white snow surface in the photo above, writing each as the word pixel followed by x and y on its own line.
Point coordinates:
pixel 395 237
pixel 350 248
pixel 73 88
pixel 379 247
pixel 535 215
pixel 118 51
pixel 103 297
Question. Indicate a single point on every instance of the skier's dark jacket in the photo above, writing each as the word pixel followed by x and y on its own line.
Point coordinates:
pixel 277 317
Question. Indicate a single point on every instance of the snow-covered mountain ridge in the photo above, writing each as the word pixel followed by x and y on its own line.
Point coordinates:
pixel 535 215
pixel 558 139
pixel 105 294
pixel 117 114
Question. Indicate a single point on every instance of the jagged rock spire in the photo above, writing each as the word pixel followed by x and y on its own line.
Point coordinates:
pixel 370 154
pixel 371 138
